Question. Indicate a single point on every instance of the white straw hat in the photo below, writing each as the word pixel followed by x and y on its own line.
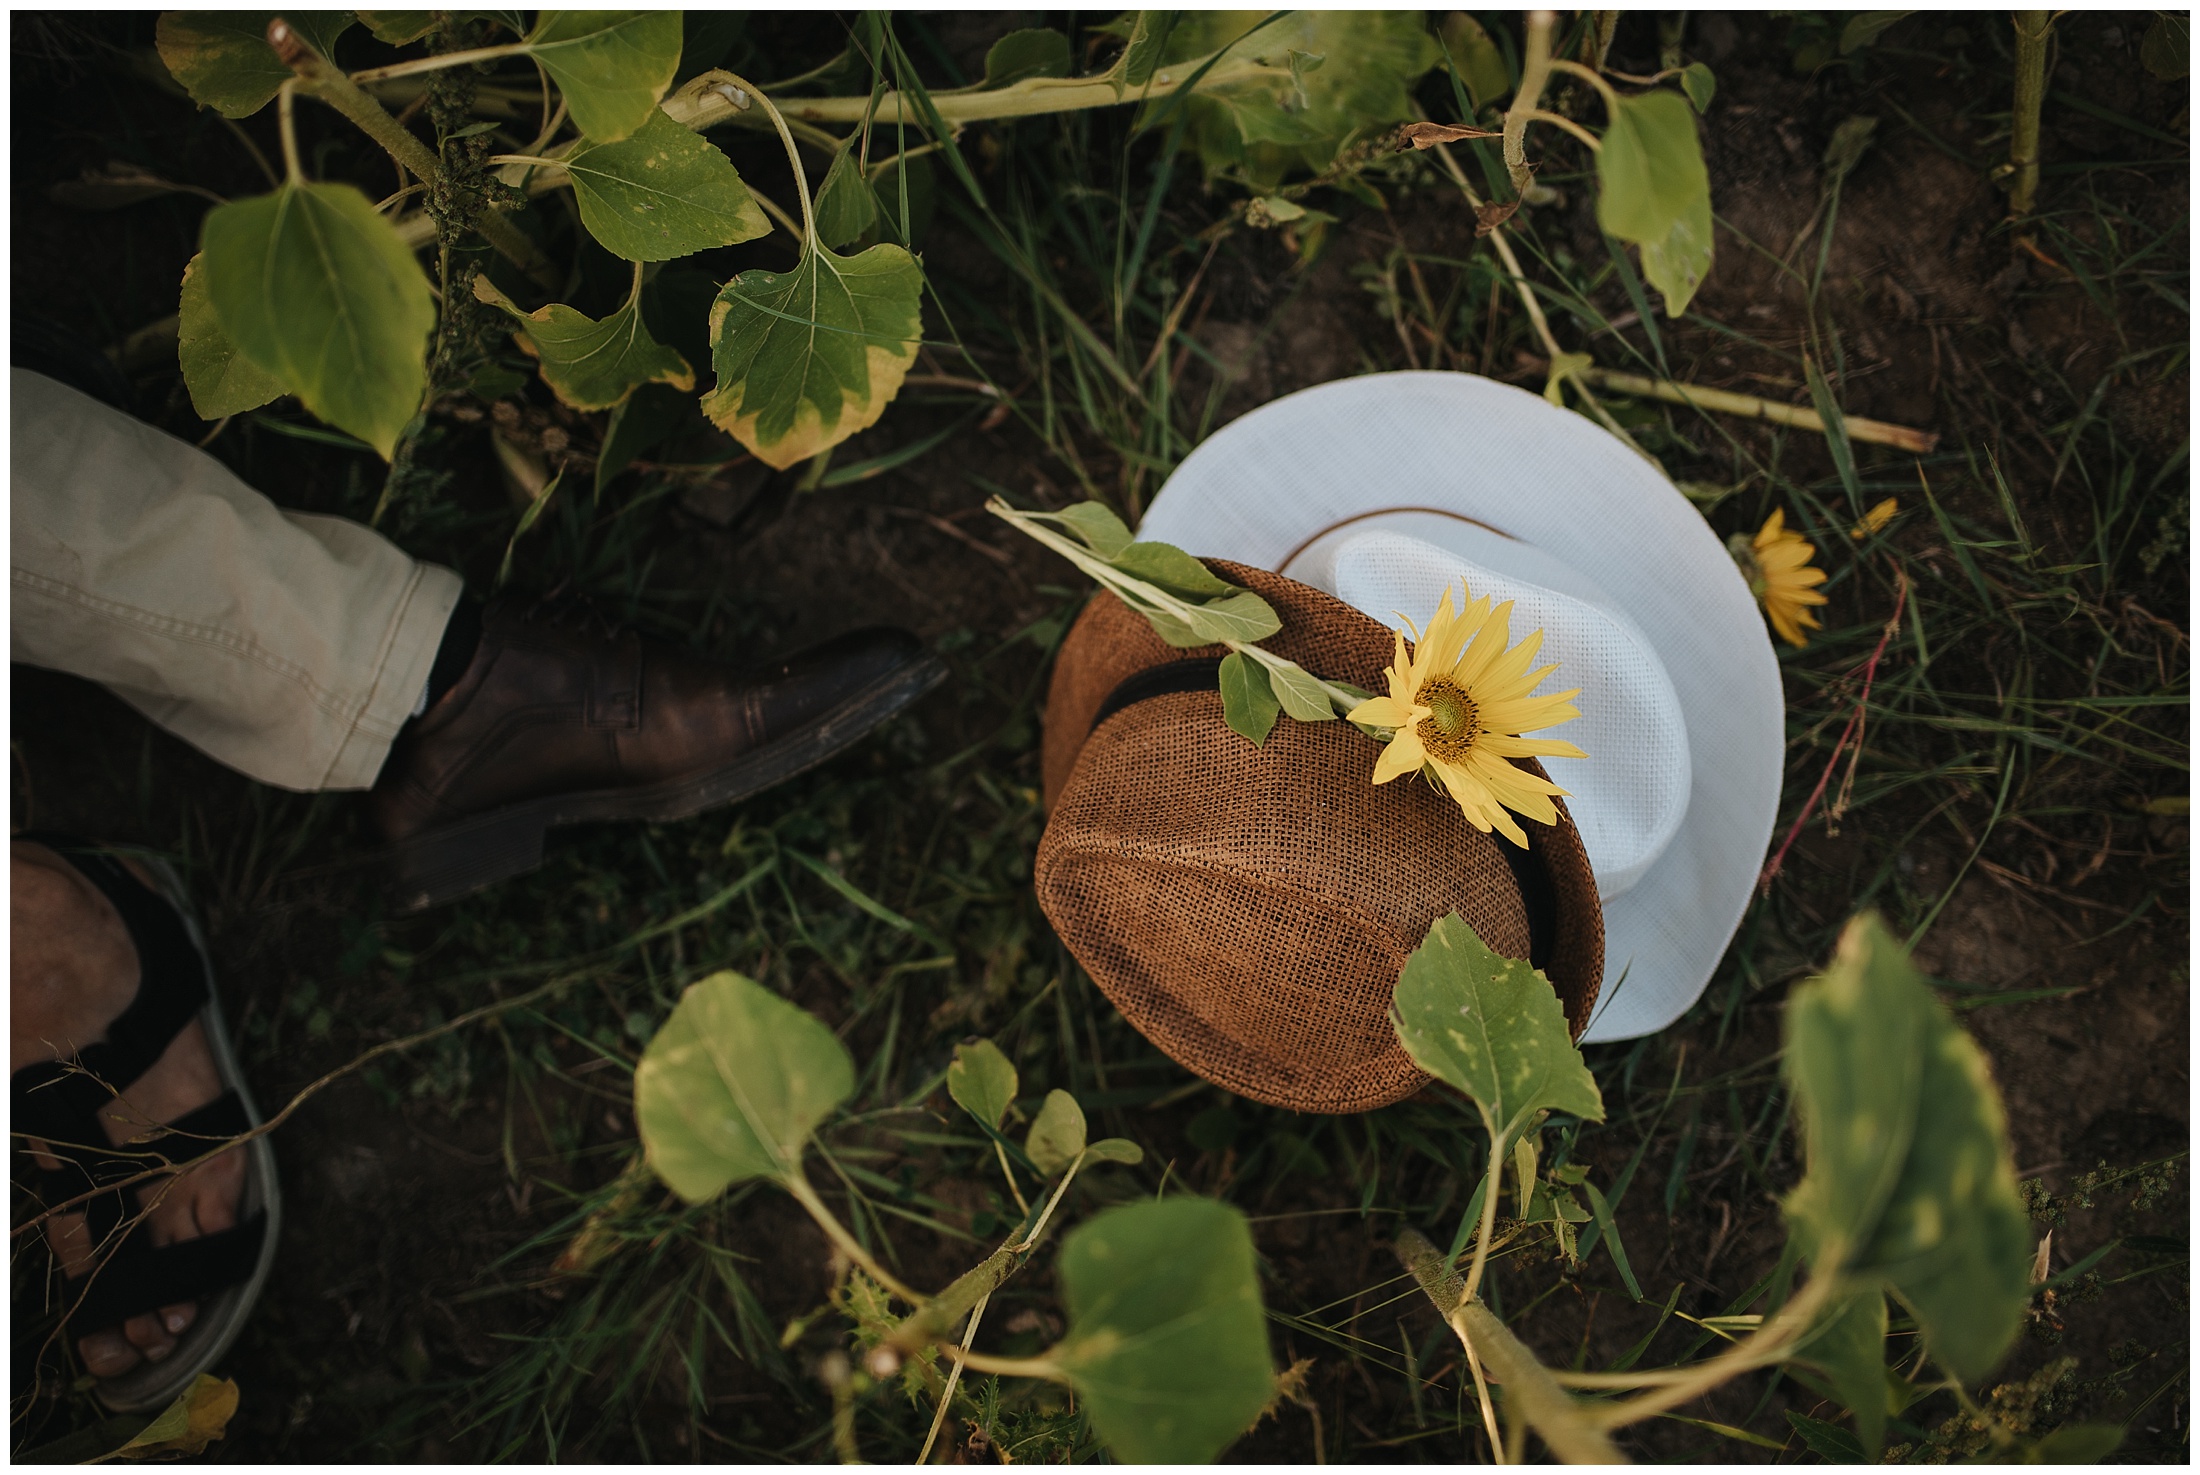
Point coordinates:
pixel 1386 490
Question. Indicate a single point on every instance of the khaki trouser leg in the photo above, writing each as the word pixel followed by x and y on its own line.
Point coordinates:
pixel 291 647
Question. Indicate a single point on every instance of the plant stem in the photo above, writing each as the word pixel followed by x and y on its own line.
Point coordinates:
pixel 337 90
pixel 438 63
pixel 947 1395
pixel 1015 1367
pixel 1725 402
pixel 845 1242
pixel 1032 1239
pixel 1769 1343
pixel 2034 28
pixel 1002 1153
pixel 287 123
pixel 1535 70
pixel 1493 1183
pixel 1530 1390
pixel 794 157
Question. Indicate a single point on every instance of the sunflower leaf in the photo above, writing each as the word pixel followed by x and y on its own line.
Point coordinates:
pixel 1244 617
pixel 1057 1136
pixel 1492 1027
pixel 1652 190
pixel 1171 569
pixel 222 57
pixel 846 207
pixel 1097 526
pixel 662 193
pixel 808 357
pixel 592 365
pixel 1909 1181
pixel 732 1086
pixel 611 65
pixel 1248 704
pixel 983 1081
pixel 317 289
pixel 1302 695
pixel 1021 54
pixel 1167 1344
pixel 222 381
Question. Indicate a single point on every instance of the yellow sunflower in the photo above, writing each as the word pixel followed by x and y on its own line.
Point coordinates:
pixel 1458 708
pixel 1777 564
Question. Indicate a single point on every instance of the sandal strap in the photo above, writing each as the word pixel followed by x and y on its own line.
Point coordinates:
pixel 140 1276
pixel 172 972
pixel 91 1165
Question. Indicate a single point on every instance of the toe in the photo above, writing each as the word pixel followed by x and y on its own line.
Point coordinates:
pixel 178 1318
pixel 106 1354
pixel 149 1337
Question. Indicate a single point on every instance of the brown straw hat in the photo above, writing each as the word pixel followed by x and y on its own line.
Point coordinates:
pixel 1248 909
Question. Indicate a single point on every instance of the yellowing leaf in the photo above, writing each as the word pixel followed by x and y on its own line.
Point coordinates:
pixel 592 365
pixel 663 193
pixel 808 357
pixel 222 57
pixel 1652 190
pixel 222 381
pixel 318 290
pixel 199 1416
pixel 1282 115
pixel 612 65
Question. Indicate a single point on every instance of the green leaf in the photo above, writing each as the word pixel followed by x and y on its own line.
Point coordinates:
pixel 845 207
pixel 1096 527
pixel 2166 49
pixel 1302 695
pixel 1492 1027
pixel 318 290
pixel 1476 58
pixel 1115 1150
pixel 982 1081
pixel 1850 1347
pixel 2075 1444
pixel 612 65
pixel 1167 1344
pixel 1170 568
pixel 1244 617
pixel 1866 26
pixel 527 520
pixel 398 27
pixel 1248 705
pixel 1269 120
pixel 889 179
pixel 1653 191
pixel 733 1085
pixel 1830 1442
pixel 1909 1179
pixel 637 427
pixel 663 193
pixel 1021 54
pixel 1057 1134
pixel 1700 85
pixel 1142 51
pixel 222 57
pixel 592 365
pixel 808 357
pixel 222 381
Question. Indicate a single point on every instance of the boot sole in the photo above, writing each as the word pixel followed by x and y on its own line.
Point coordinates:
pixel 444 864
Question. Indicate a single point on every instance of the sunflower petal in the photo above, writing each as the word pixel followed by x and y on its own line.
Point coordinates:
pixel 1403 755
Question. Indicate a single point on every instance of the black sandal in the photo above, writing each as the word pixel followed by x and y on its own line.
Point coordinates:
pixel 59 1102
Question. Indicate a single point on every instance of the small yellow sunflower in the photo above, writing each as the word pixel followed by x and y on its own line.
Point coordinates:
pixel 1777 564
pixel 1458 708
pixel 1871 522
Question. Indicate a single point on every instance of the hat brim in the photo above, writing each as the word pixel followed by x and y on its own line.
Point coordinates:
pixel 1359 449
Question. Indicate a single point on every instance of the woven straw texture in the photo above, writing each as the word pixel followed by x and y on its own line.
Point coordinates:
pixel 1248 909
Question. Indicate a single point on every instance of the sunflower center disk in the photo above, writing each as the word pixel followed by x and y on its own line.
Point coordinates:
pixel 1453 723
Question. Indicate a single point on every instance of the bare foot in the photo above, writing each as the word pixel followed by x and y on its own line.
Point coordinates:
pixel 74 970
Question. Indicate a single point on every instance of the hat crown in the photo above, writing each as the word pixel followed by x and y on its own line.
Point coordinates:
pixel 1629 796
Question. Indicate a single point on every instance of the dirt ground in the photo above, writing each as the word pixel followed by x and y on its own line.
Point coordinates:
pixel 392 1289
